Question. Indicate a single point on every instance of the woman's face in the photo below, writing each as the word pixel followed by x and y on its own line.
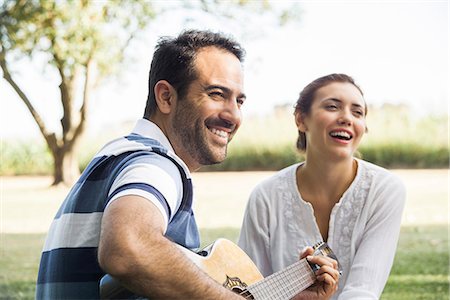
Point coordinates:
pixel 336 121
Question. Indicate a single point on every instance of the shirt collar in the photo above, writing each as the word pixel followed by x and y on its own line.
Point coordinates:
pixel 149 129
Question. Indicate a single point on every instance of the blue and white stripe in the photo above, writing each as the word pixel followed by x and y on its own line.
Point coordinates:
pixel 69 267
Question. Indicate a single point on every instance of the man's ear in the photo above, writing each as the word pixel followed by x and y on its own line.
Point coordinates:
pixel 165 96
pixel 300 121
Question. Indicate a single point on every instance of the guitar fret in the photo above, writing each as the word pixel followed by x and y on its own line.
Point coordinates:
pixel 284 284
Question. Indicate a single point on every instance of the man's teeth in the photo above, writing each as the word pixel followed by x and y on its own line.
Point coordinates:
pixel 220 133
pixel 341 134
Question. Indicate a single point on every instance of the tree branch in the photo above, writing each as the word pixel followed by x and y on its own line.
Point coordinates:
pixel 90 66
pixel 49 136
pixel 65 88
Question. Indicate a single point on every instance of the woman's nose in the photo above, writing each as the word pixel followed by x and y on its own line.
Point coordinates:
pixel 345 119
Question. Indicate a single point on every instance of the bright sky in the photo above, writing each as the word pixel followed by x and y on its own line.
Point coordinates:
pixel 398 52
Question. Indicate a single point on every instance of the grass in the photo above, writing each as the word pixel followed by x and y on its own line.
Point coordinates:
pixel 27 206
pixel 19 260
pixel 420 268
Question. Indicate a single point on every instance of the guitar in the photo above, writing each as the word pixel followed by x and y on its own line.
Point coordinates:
pixel 239 273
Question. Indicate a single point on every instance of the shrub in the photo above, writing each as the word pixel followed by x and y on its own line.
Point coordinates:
pixel 395 140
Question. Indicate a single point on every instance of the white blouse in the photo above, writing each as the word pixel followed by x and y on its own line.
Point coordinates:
pixel 363 230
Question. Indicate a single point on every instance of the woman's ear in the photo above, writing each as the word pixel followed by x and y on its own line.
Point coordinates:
pixel 165 96
pixel 300 121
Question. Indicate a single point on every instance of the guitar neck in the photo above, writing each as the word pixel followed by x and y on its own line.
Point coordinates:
pixel 284 284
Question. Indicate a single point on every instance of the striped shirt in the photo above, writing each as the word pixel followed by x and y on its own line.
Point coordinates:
pixel 142 163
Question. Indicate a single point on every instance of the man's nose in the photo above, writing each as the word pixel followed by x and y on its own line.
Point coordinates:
pixel 231 112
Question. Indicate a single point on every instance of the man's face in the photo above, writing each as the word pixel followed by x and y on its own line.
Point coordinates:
pixel 207 118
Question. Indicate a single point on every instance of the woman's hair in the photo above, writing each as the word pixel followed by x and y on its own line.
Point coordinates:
pixel 305 100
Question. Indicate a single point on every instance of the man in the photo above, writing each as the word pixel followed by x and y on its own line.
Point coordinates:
pixel 134 199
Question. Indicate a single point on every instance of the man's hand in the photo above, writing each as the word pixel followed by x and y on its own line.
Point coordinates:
pixel 134 250
pixel 327 277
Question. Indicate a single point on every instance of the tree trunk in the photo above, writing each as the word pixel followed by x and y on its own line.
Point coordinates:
pixel 65 169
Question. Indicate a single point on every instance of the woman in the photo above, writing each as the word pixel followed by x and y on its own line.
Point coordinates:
pixel 353 205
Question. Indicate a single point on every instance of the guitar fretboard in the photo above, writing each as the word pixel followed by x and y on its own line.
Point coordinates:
pixel 284 284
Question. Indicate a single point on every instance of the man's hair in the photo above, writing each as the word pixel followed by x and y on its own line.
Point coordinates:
pixel 306 98
pixel 174 58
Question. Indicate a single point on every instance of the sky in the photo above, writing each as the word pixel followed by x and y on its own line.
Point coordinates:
pixel 397 51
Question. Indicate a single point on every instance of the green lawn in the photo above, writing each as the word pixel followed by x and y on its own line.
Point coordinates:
pixel 27 207
pixel 19 259
pixel 421 266
pixel 420 269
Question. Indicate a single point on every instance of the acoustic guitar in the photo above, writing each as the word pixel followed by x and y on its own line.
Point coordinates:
pixel 230 266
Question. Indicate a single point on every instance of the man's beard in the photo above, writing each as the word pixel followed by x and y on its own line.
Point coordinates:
pixel 193 135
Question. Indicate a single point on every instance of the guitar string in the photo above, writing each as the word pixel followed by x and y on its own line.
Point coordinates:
pixel 299 279
pixel 281 280
pixel 270 290
pixel 299 275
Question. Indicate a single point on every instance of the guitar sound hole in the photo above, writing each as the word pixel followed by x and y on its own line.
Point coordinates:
pixel 243 292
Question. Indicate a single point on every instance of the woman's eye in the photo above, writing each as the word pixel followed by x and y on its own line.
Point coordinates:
pixel 331 107
pixel 358 113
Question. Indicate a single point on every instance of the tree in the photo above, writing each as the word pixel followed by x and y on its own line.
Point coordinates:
pixel 84 42
pixel 76 38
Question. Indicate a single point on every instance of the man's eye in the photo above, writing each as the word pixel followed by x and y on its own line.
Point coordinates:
pixel 240 101
pixel 216 94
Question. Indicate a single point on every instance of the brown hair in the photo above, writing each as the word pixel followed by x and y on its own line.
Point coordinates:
pixel 174 58
pixel 305 100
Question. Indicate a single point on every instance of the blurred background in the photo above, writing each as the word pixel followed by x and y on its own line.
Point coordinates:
pixel 397 51
pixel 74 76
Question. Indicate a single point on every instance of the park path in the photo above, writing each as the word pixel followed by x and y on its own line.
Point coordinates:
pixel 28 204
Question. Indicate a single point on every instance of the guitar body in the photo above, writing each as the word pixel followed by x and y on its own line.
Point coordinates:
pixel 230 266
pixel 225 262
